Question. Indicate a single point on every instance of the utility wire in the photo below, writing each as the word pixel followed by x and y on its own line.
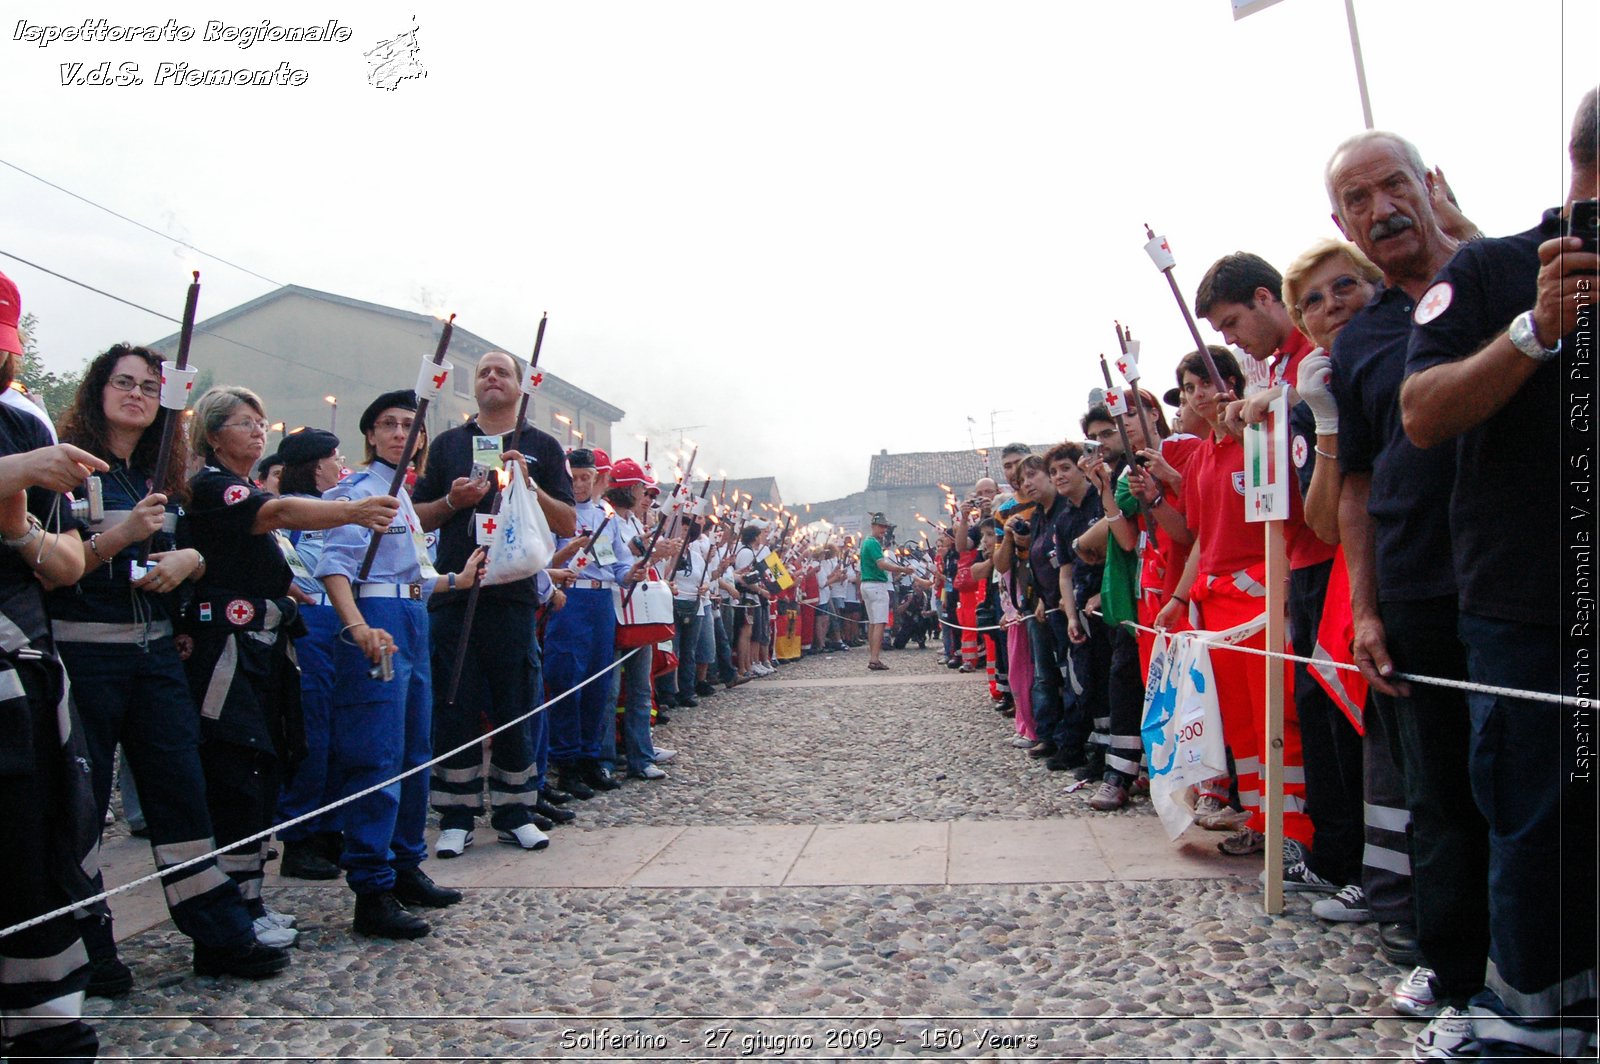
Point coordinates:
pixel 141 225
pixel 168 317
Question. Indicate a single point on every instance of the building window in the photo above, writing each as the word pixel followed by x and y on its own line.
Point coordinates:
pixel 461 379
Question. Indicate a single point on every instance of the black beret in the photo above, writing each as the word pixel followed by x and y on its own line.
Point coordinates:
pixel 402 400
pixel 267 462
pixel 308 445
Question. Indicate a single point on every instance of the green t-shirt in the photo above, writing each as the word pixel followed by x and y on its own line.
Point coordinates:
pixel 871 551
pixel 1119 594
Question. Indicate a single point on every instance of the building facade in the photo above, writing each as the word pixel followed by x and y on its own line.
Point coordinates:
pixel 297 348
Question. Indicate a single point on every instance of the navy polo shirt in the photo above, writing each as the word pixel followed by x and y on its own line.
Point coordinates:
pixel 1506 513
pixel 449 457
pixel 222 513
pixel 1043 558
pixel 1073 522
pixel 1410 487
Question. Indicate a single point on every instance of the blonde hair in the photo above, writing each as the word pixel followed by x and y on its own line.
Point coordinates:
pixel 1294 278
pixel 213 410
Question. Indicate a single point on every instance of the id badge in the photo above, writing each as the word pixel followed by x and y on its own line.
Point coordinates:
pixel 486 454
pixel 292 556
pixel 603 552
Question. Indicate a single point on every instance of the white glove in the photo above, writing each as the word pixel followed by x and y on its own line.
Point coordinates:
pixel 1316 371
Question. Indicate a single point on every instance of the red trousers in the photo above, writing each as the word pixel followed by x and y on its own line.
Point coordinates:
pixel 1225 602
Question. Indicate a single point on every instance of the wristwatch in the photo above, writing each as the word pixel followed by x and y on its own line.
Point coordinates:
pixel 1526 339
pixel 35 530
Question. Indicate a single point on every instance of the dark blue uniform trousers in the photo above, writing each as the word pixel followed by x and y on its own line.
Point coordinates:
pixel 141 698
pixel 311 786
pixel 380 728
pixel 579 641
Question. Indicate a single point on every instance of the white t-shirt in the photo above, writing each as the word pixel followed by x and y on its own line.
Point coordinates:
pixel 15 399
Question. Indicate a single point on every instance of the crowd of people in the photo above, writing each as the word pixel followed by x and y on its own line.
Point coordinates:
pixel 234 641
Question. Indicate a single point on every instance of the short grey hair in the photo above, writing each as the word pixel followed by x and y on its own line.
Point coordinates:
pixel 1408 151
pixel 213 410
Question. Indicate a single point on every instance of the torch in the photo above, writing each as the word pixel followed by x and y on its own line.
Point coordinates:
pixel 177 379
pixel 430 382
pixel 1128 366
pixel 1160 253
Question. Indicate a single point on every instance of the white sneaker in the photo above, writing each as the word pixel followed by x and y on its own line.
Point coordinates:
pixel 651 772
pixel 527 836
pixel 1414 995
pixel 1349 906
pixel 453 842
pixel 1022 742
pixel 276 919
pixel 269 935
pixel 663 755
pixel 1448 1037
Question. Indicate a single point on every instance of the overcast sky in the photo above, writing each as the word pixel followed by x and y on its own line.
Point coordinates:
pixel 815 230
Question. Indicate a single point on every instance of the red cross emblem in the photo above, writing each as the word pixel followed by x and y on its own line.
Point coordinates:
pixel 235 493
pixel 536 380
pixel 438 381
pixel 1435 301
pixel 582 562
pixel 489 526
pixel 239 613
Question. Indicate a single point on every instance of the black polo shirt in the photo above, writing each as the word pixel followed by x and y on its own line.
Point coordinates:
pixel 1506 512
pixel 222 510
pixel 449 457
pixel 1410 492
pixel 1044 558
pixel 1074 522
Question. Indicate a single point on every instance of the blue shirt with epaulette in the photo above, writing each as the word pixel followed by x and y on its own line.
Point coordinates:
pixel 309 546
pixel 344 548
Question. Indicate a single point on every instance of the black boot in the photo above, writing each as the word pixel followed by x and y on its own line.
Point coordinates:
pixel 412 886
pixel 552 813
pixel 553 796
pixel 382 916
pixel 249 961
pixel 108 976
pixel 571 776
pixel 598 776
pixel 303 859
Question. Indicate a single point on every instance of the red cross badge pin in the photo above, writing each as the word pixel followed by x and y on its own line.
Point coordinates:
pixel 235 493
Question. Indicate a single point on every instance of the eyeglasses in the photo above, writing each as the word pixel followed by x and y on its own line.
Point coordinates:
pixel 1339 288
pixel 389 424
pixel 147 388
pixel 1103 435
pixel 248 425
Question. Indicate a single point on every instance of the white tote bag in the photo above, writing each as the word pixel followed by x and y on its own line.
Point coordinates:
pixel 521 544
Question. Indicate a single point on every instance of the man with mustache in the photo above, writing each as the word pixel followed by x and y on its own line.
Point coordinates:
pixel 1396 538
pixel 1500 375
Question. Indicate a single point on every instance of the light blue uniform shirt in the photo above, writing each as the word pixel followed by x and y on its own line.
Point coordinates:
pixel 344 547
pixel 309 546
pixel 590 514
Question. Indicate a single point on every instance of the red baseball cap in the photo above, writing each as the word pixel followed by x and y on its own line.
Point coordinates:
pixel 626 471
pixel 602 461
pixel 10 315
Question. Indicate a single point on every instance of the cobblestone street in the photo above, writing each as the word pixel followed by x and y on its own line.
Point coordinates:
pixel 841 865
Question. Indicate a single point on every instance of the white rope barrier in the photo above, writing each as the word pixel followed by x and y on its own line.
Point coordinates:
pixel 269 832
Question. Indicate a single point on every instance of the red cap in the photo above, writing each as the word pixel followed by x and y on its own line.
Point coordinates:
pixel 602 461
pixel 626 471
pixel 10 314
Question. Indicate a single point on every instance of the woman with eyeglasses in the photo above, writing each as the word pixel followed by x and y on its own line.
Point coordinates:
pixel 382 712
pixel 114 631
pixel 242 619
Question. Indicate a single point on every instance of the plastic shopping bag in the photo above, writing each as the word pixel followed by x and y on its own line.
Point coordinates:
pixel 521 544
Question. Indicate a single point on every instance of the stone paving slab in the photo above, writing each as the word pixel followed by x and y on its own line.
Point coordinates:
pixel 842 854
pixel 741 856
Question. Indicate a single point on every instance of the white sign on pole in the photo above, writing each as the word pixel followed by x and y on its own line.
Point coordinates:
pixel 1266 464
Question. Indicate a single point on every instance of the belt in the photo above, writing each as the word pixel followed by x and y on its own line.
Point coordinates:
pixel 110 631
pixel 394 591
pixel 596 585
